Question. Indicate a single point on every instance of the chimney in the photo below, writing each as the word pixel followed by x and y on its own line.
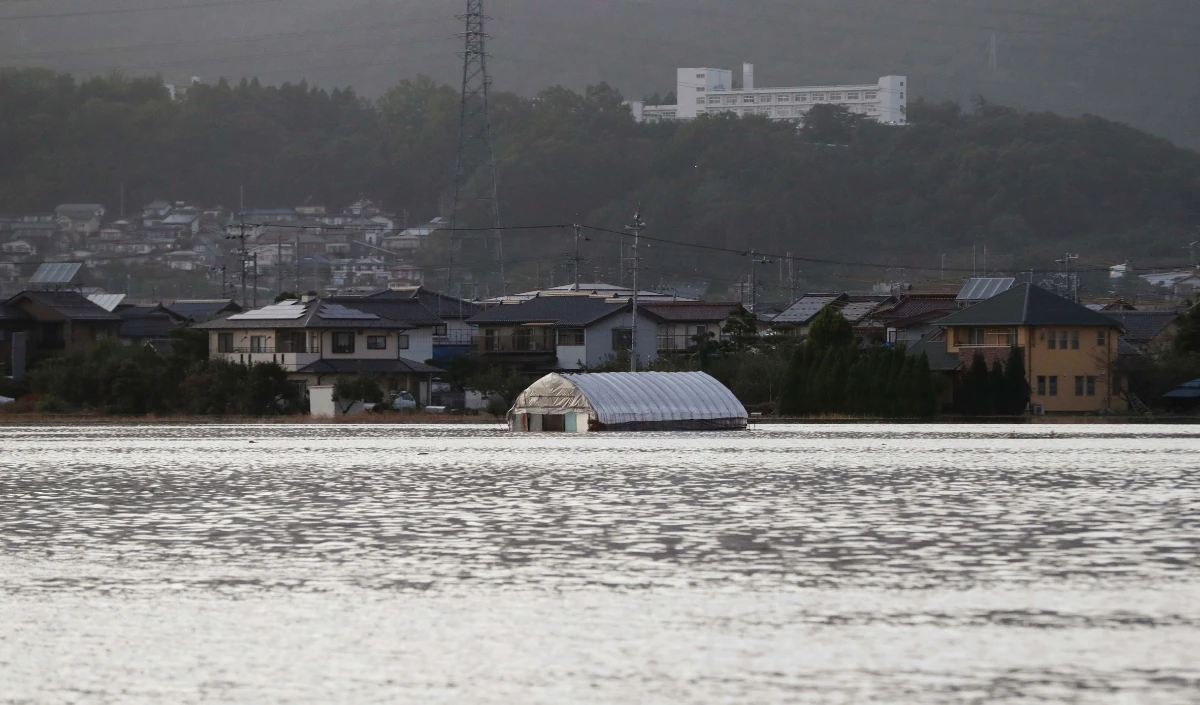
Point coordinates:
pixel 747 77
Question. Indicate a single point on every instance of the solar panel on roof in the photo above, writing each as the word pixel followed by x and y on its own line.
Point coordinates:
pixel 108 302
pixel 981 288
pixel 55 273
pixel 283 311
pixel 339 312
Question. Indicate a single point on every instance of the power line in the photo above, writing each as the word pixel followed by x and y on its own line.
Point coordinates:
pixel 133 10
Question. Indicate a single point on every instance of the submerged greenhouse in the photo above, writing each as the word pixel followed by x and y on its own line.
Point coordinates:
pixel 627 401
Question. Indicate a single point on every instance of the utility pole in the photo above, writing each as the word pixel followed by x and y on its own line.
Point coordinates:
pixel 1191 246
pixel 754 262
pixel 942 276
pixel 576 259
pixel 279 264
pixel 993 58
pixel 636 226
pixel 1066 263
pixel 296 262
pixel 255 280
pixel 475 156
pixel 241 253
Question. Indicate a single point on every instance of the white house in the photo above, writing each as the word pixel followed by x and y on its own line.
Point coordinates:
pixel 566 332
pixel 701 91
pixel 316 340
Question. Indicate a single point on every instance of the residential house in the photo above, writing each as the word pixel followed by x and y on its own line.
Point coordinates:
pixel 79 218
pixel 680 323
pixel 147 325
pixel 183 223
pixel 405 275
pixel 154 212
pixel 316 340
pixel 562 332
pixel 914 317
pixel 18 249
pixel 1070 351
pixel 454 335
pixel 184 260
pixel 57 321
pixel 1145 332
pixel 1181 284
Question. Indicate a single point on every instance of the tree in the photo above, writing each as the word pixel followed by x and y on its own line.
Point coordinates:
pixel 976 387
pixel 362 387
pixel 1187 336
pixel 998 390
pixel 1016 385
pixel 286 296
pixel 830 329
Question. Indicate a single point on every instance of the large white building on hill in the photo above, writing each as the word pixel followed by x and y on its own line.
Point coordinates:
pixel 701 91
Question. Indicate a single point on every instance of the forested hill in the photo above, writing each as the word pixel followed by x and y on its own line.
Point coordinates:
pixel 1027 185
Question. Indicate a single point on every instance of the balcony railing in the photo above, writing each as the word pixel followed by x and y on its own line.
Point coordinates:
pixel 543 344
pixel 270 349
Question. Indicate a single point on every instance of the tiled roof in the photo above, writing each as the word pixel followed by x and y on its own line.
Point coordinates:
pixel 859 306
pixel 935 351
pixel 560 310
pixel 1027 305
pixel 440 304
pixel 315 314
pixel 203 309
pixel 1142 326
pixel 154 325
pixel 8 313
pixel 374 367
pixel 806 308
pixel 68 304
pixel 691 310
pixel 915 306
pixel 410 311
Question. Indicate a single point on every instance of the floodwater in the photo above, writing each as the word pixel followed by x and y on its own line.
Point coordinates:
pixel 386 564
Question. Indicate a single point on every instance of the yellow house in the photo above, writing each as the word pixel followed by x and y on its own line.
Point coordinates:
pixel 1070 351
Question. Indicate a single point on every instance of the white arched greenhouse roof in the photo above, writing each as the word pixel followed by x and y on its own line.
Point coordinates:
pixel 618 398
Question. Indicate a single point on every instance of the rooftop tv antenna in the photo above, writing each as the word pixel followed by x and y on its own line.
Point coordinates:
pixel 475 157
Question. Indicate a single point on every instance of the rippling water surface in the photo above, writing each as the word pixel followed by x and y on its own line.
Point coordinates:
pixel 385 564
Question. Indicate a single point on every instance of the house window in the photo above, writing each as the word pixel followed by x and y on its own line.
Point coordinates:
pixel 731 100
pixel 1078 386
pixel 699 75
pixel 1051 339
pixel 376 342
pixel 869 96
pixel 1062 340
pixel 1053 385
pixel 701 331
pixel 835 96
pixel 258 343
pixel 440 331
pixel 714 100
pixel 764 99
pixel 1100 338
pixel 747 99
pixel 851 96
pixel 622 339
pixel 1091 386
pixel 801 97
pixel 700 89
pixel 570 336
pixel 976 336
pixel 1041 385
pixel 402 341
pixel 343 343
pixel 1074 340
pixel 783 98
pixel 700 100
pixel 225 342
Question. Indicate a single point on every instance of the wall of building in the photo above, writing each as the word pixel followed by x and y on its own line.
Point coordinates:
pixel 598 338
pixel 320 345
pixel 1091 359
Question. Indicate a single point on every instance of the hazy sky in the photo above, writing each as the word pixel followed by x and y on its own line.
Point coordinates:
pixel 1128 60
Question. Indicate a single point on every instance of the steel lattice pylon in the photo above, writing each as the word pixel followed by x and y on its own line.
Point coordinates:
pixel 475 158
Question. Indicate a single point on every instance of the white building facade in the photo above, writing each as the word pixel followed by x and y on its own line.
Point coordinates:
pixel 708 91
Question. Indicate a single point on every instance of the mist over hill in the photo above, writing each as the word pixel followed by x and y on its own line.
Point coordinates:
pixel 1125 60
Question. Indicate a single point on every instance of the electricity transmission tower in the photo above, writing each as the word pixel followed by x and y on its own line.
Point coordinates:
pixel 475 160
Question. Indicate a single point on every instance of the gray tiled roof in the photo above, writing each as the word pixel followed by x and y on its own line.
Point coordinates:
pixel 1027 305
pixel 935 351
pixel 203 309
pixel 68 304
pixel 807 307
pixel 559 310
pixel 410 311
pixel 374 367
pixel 311 317
pixel 440 304
pixel 1142 326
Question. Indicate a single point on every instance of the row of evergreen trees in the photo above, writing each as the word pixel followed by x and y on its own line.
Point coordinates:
pixel 1000 390
pixel 831 374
